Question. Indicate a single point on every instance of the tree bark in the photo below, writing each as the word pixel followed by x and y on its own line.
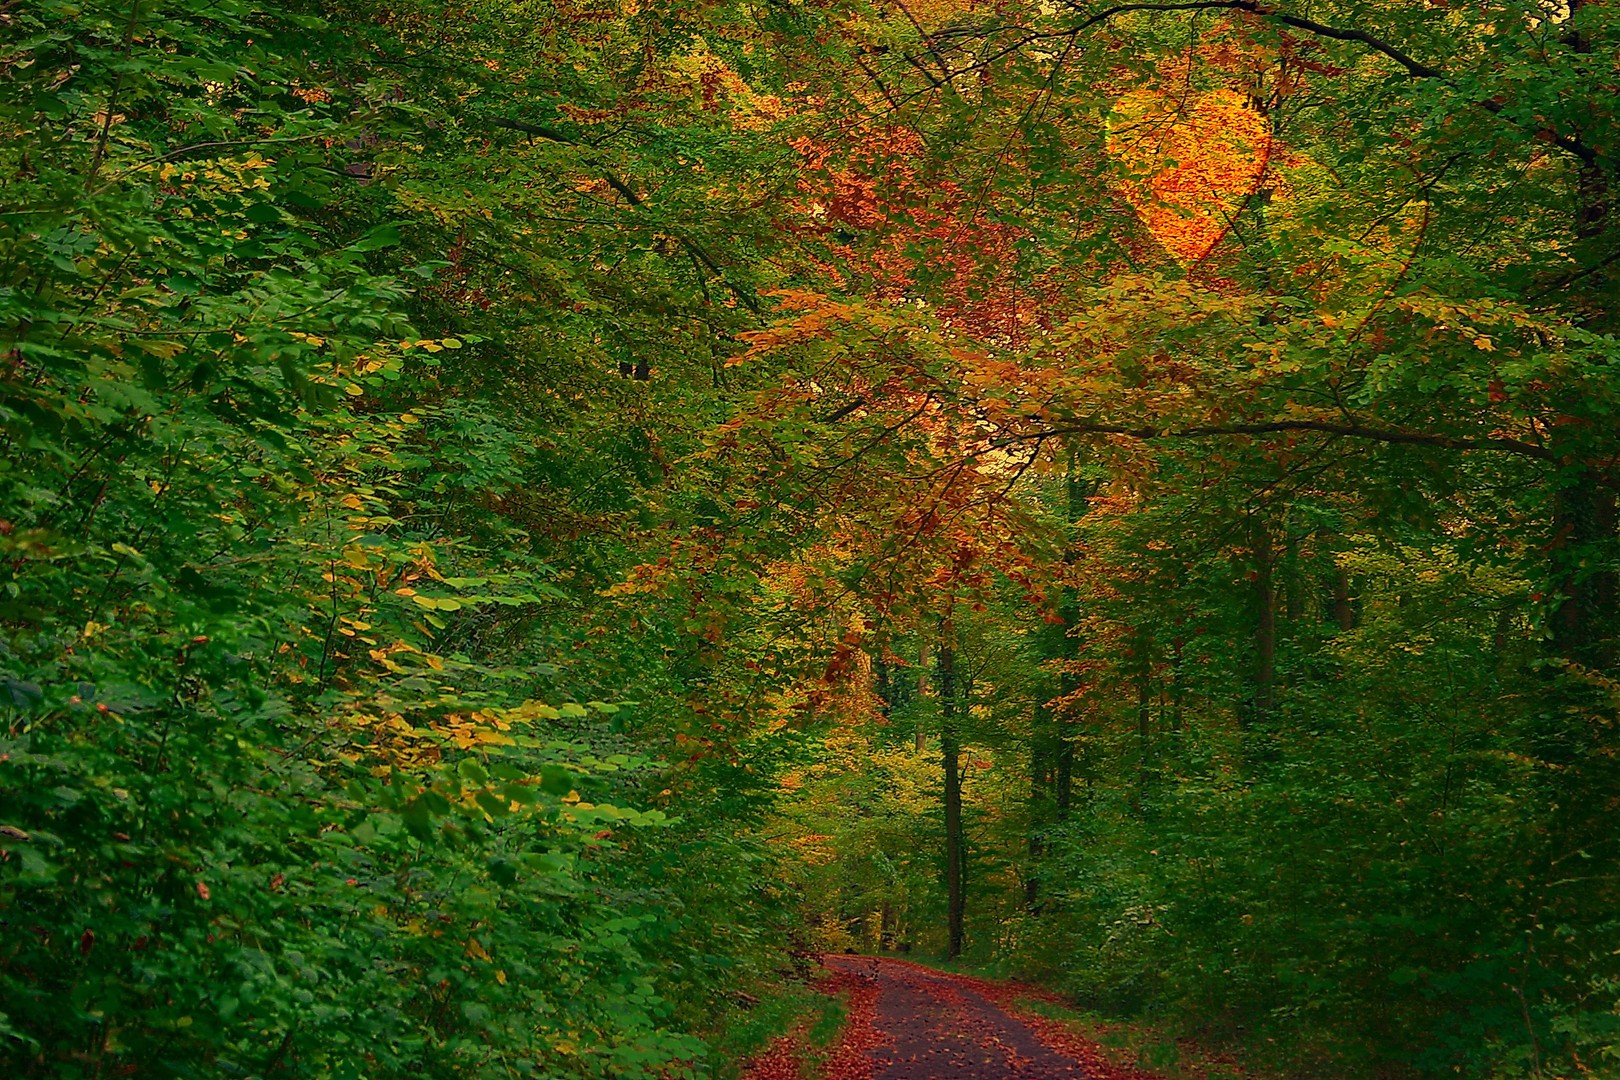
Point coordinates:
pixel 1077 497
pixel 1144 730
pixel 1178 690
pixel 950 750
pixel 1265 627
pixel 922 693
pixel 1052 743
pixel 1584 508
pixel 881 685
pixel 1584 531
pixel 1293 586
pixel 1343 613
pixel 1040 783
pixel 1068 683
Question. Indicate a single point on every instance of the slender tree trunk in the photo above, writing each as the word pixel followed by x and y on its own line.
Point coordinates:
pixel 1265 627
pixel 1293 586
pixel 923 692
pixel 1584 530
pixel 1178 688
pixel 1583 510
pixel 1343 613
pixel 882 685
pixel 1052 746
pixel 1040 782
pixel 1144 730
pixel 1063 767
pixel 950 750
pixel 1078 493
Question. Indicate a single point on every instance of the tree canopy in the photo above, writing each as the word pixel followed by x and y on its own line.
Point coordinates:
pixel 518 521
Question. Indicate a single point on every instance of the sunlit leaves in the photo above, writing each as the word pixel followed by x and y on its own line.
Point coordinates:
pixel 1188 162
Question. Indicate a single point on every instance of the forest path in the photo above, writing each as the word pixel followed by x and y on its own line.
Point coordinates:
pixel 932 1026
pixel 909 1022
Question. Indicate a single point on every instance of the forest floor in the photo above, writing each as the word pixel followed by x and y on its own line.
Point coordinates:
pixel 910 1022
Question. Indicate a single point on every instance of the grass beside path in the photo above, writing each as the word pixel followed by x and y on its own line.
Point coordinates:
pixel 793 1022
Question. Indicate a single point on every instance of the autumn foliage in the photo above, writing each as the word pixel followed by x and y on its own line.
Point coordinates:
pixel 519 523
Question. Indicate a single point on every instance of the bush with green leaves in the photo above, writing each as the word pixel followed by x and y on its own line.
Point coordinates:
pixel 291 781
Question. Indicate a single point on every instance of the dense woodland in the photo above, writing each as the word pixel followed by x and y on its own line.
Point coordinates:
pixel 519 519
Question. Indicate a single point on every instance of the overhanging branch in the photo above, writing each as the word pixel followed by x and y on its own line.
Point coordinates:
pixel 1597 472
pixel 631 196
pixel 1349 429
pixel 1415 68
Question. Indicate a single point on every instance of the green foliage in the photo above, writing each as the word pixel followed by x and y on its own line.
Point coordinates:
pixel 486 487
pixel 303 768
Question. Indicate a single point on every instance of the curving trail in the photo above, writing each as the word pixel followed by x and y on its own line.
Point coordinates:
pixel 909 1022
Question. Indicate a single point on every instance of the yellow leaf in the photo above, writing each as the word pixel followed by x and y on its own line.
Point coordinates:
pixel 1188 164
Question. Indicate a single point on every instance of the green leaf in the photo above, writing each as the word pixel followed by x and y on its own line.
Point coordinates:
pixel 383 236
pixel 492 804
pixel 556 780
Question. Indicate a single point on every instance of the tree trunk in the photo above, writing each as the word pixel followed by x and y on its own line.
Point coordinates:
pixel 1584 532
pixel 1583 510
pixel 1078 495
pixel 1063 769
pixel 1040 782
pixel 1178 691
pixel 1343 613
pixel 1052 748
pixel 882 685
pixel 950 750
pixel 1293 586
pixel 1265 627
pixel 922 693
pixel 1144 732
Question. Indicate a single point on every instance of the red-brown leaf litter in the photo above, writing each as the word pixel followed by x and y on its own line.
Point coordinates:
pixel 909 1022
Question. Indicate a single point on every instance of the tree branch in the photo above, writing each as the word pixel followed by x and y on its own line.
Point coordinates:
pixel 1346 429
pixel 1413 67
pixel 630 195
pixel 537 130
pixel 843 411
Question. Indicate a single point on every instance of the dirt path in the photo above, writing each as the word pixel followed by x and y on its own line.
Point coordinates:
pixel 908 1022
